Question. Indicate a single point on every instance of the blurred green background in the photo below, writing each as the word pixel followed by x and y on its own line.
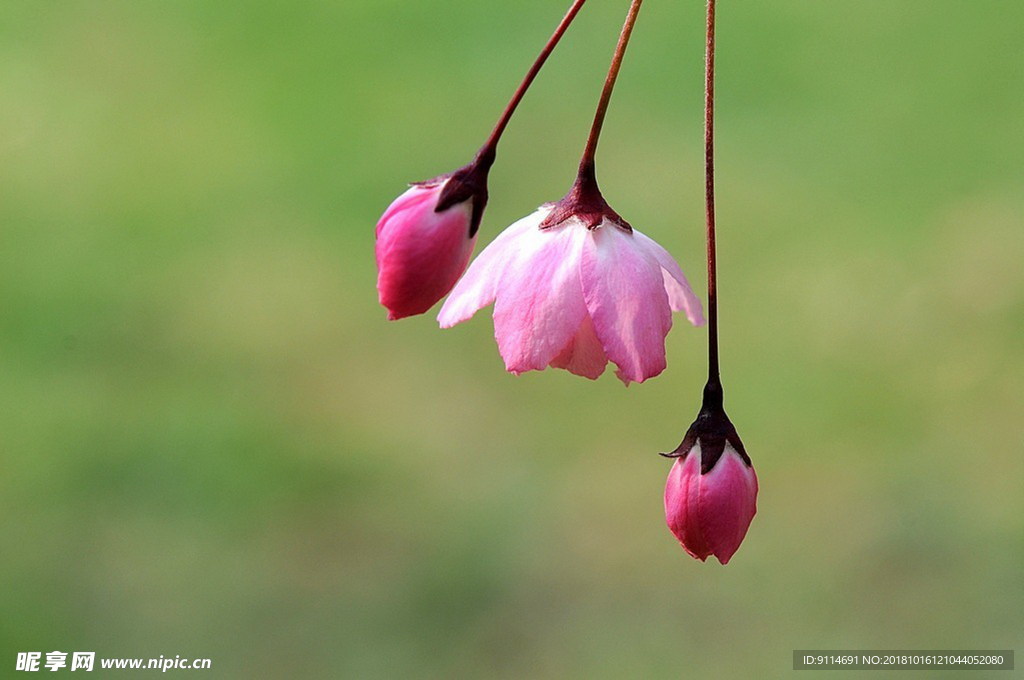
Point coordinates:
pixel 212 444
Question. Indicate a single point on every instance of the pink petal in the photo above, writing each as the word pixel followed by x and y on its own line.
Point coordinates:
pixel 420 253
pixel 625 294
pixel 728 502
pixel 539 305
pixel 478 287
pixel 682 513
pixel 584 354
pixel 680 295
pixel 413 197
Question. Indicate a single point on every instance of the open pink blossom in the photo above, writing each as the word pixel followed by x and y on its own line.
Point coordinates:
pixel 421 251
pixel 710 510
pixel 575 296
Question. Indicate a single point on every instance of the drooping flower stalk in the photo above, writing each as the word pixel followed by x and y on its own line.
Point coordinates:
pixel 491 145
pixel 426 236
pixel 584 199
pixel 711 491
pixel 709 196
pixel 587 161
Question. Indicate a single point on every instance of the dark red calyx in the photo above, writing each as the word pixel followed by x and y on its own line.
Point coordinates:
pixel 712 429
pixel 468 183
pixel 584 202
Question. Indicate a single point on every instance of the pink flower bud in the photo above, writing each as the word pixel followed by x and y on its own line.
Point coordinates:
pixel 709 503
pixel 421 251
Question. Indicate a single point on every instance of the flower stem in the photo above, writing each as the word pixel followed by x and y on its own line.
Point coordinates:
pixel 709 197
pixel 488 150
pixel 586 171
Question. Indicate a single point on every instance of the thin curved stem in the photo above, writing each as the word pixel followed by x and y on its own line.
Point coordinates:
pixel 586 171
pixel 490 146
